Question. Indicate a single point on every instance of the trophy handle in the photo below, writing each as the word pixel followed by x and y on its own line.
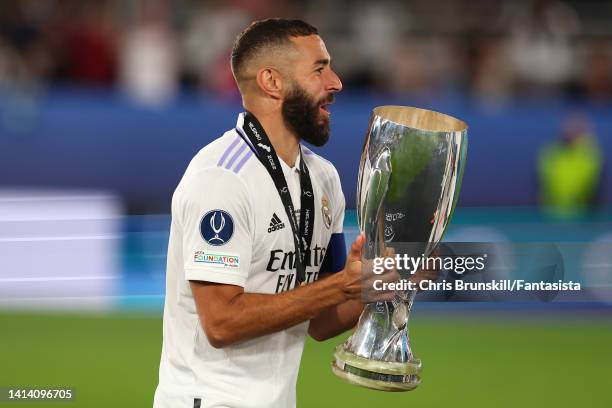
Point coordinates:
pixel 371 219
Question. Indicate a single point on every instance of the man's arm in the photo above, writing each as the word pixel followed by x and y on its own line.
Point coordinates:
pixel 229 315
pixel 335 320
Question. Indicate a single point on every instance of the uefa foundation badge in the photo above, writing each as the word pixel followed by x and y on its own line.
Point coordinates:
pixel 217 227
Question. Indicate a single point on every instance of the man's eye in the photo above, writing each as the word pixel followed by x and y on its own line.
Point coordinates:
pixel 319 70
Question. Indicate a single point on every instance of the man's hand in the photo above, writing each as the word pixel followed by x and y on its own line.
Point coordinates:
pixel 352 273
pixel 359 277
pixel 388 275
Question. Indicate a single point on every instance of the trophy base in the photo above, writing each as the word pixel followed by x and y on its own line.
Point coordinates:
pixel 376 375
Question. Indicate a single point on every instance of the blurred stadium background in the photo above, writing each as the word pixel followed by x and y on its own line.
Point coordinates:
pixel 103 103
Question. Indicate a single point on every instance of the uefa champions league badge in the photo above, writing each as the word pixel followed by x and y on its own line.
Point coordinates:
pixel 217 227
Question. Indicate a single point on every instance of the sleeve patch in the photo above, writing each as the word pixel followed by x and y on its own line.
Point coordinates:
pixel 217 227
pixel 217 259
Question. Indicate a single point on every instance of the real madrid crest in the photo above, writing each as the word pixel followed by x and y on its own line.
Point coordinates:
pixel 326 212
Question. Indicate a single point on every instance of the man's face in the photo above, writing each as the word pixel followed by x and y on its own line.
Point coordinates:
pixel 311 89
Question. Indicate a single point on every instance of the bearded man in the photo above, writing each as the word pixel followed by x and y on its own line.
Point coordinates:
pixel 256 257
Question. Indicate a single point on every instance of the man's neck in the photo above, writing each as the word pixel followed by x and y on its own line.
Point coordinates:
pixel 285 143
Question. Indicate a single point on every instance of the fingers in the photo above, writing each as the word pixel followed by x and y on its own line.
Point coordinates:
pixel 432 275
pixel 426 275
pixel 381 296
pixel 353 269
pixel 389 252
pixel 355 251
pixel 374 285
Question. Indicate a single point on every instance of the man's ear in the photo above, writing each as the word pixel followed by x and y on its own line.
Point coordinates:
pixel 270 81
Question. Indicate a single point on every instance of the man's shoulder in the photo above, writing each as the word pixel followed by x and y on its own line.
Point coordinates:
pixel 229 152
pixel 224 161
pixel 320 166
pixel 317 161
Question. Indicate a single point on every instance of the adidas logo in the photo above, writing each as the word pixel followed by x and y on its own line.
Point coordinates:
pixel 275 223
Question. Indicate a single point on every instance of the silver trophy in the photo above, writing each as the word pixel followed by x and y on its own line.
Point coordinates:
pixel 409 177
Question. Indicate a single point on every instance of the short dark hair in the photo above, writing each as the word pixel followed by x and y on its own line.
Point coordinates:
pixel 263 34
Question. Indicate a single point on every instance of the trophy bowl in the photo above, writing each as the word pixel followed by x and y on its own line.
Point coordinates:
pixel 410 173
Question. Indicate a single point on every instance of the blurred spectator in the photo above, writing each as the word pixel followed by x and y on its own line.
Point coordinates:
pixel 25 63
pixel 24 55
pixel 493 74
pixel 597 82
pixel 406 69
pixel 376 28
pixel 207 45
pixel 149 57
pixel 540 35
pixel 570 169
pixel 90 43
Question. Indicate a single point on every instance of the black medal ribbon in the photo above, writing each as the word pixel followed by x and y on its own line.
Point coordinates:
pixel 302 233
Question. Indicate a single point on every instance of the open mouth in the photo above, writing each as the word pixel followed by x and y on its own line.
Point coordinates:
pixel 324 108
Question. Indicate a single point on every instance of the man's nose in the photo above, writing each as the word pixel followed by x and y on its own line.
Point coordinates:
pixel 334 85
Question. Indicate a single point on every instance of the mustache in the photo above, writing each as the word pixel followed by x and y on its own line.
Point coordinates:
pixel 331 98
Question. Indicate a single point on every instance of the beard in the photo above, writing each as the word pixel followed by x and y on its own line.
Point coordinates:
pixel 302 116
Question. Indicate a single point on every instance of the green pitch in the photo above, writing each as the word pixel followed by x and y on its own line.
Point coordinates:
pixel 112 361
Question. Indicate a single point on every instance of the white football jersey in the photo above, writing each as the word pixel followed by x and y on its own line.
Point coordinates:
pixel 229 226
